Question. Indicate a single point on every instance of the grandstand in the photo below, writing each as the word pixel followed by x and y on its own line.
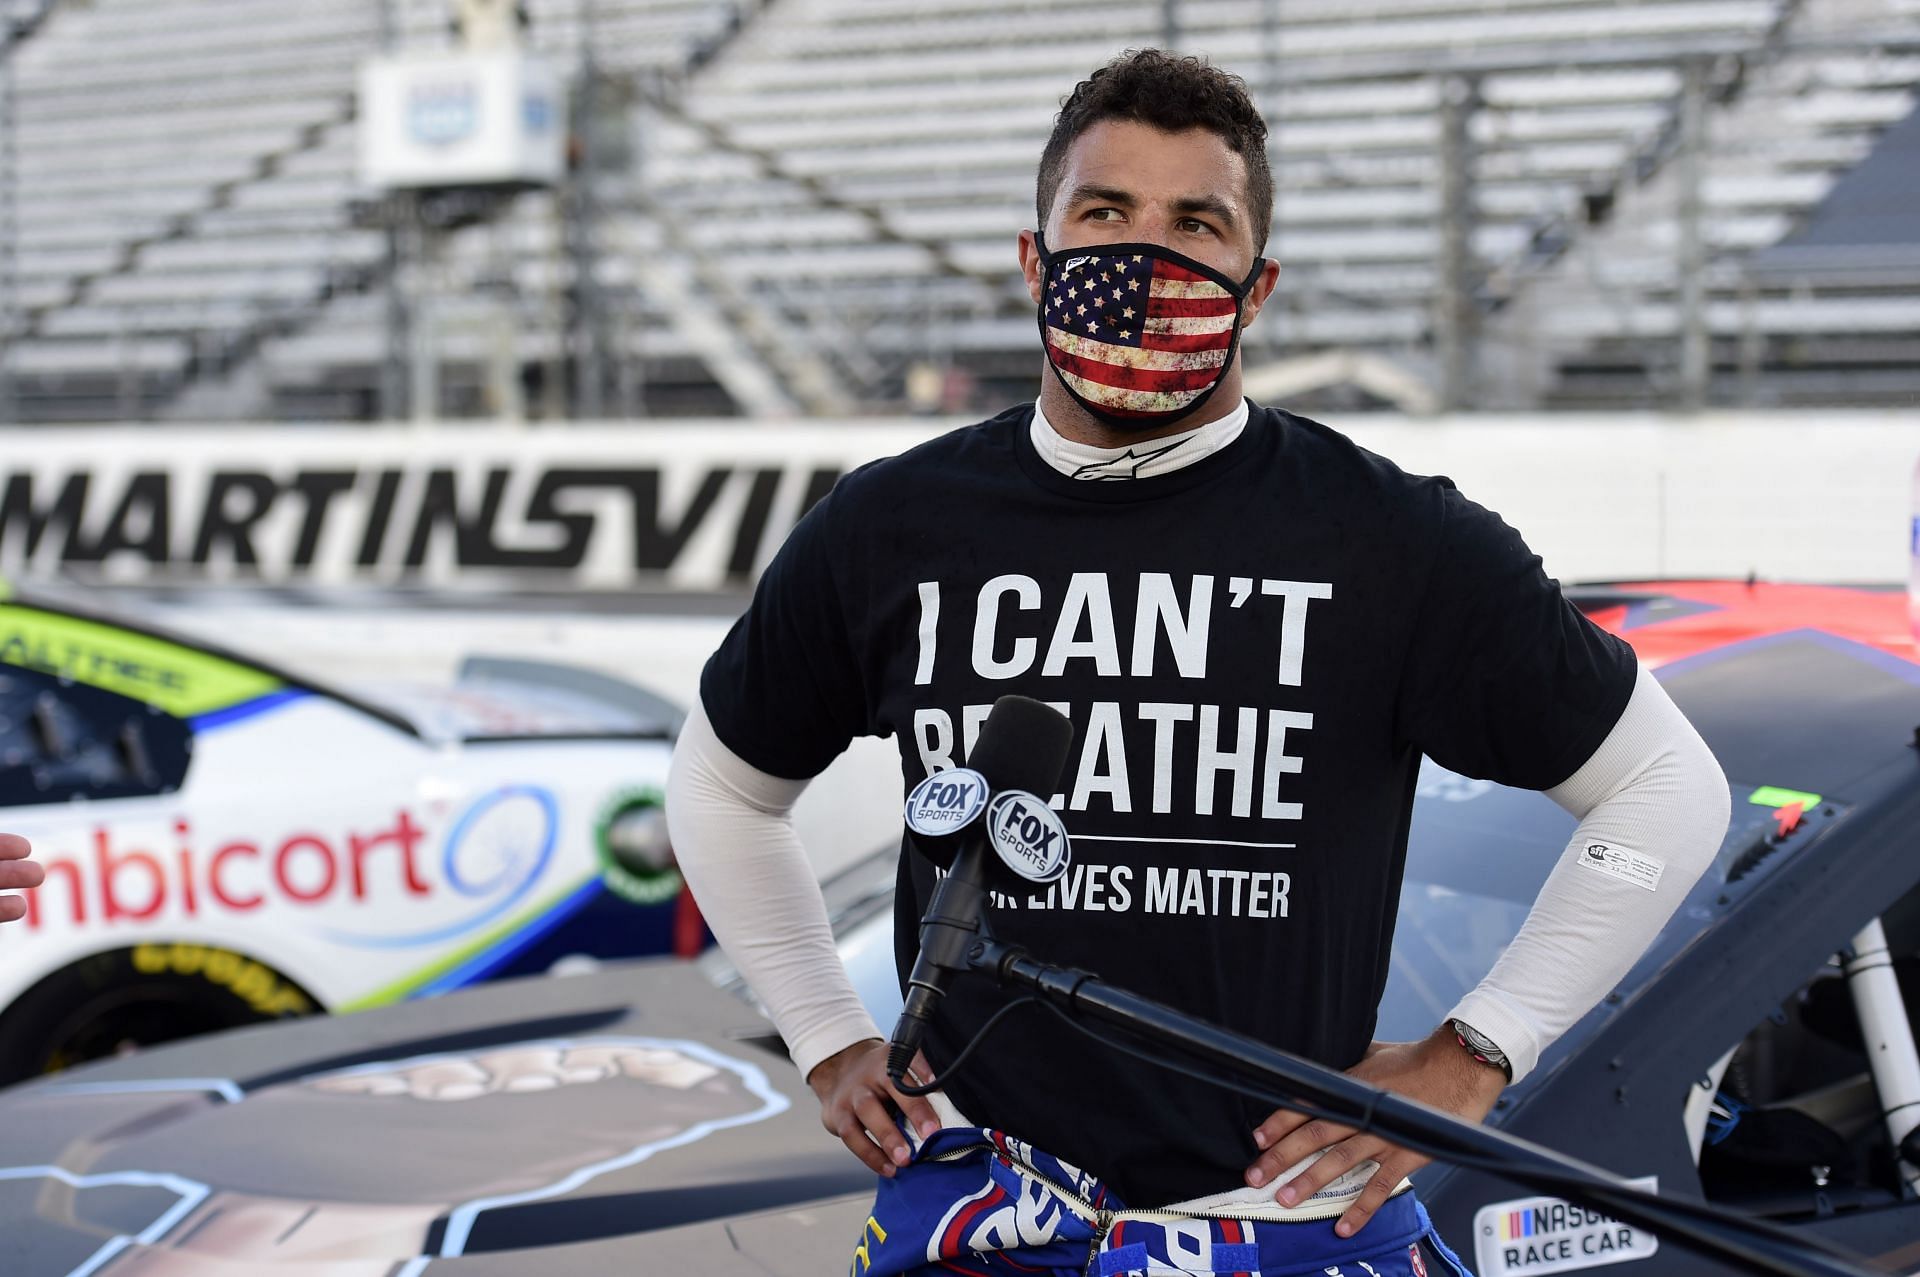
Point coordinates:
pixel 803 206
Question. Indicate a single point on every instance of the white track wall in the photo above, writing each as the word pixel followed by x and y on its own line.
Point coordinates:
pixel 1817 496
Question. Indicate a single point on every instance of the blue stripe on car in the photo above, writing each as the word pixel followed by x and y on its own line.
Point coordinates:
pixel 214 719
pixel 490 962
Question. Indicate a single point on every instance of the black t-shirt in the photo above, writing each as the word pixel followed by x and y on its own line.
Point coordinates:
pixel 1255 650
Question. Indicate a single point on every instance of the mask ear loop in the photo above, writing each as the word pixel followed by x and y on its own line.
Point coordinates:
pixel 1246 285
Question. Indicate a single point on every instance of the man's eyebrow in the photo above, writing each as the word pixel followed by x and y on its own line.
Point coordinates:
pixel 1212 204
pixel 1089 191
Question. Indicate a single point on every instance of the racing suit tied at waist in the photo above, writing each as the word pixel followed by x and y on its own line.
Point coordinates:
pixel 991 1204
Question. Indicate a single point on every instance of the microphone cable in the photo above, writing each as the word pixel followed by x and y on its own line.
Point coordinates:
pixel 979 1036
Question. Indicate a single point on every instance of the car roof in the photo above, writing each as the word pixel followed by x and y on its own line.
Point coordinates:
pixel 1807 687
pixel 57 602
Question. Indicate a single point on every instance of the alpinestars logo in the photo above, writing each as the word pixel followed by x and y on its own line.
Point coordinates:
pixel 1127 464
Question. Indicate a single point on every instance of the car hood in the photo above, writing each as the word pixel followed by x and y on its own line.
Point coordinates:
pixel 535 1125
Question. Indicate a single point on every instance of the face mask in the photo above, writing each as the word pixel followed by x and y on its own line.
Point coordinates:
pixel 1138 334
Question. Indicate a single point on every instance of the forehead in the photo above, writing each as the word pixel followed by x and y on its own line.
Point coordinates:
pixel 1154 165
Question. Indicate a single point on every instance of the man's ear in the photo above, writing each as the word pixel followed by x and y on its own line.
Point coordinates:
pixel 1263 287
pixel 1030 264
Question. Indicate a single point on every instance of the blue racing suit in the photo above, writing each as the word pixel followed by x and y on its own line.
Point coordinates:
pixel 976 1201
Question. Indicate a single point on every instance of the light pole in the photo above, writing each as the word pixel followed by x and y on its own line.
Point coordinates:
pixel 588 337
pixel 1695 367
pixel 1270 47
pixel 1456 314
pixel 397 212
pixel 9 232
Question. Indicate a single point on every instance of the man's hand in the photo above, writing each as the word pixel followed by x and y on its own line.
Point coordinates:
pixel 856 1102
pixel 1435 1071
pixel 17 873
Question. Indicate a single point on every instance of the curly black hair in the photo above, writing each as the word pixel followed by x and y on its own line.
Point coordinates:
pixel 1150 86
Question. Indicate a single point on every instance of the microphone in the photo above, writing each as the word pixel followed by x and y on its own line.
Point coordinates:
pixel 1022 746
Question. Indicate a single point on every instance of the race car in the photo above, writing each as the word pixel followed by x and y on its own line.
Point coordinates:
pixel 1761 1053
pixel 642 1118
pixel 227 842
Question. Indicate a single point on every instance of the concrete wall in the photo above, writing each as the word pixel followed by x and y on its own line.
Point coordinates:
pixel 1816 496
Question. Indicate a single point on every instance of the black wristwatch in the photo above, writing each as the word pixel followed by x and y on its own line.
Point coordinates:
pixel 1482 1048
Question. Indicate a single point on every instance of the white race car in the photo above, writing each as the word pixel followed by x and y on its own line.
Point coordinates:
pixel 226 842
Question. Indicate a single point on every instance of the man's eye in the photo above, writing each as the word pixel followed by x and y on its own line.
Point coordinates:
pixel 1194 226
pixel 1096 213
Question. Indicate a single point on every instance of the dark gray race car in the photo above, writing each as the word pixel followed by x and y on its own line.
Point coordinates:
pixel 641 1119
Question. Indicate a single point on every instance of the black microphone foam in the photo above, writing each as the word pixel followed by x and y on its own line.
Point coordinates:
pixel 1022 745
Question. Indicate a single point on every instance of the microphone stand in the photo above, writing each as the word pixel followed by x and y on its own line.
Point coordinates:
pixel 1759 1246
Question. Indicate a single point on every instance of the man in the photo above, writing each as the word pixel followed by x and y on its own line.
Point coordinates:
pixel 17 873
pixel 1258 628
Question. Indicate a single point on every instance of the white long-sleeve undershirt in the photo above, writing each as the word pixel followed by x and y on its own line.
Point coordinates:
pixel 732 831
pixel 1653 796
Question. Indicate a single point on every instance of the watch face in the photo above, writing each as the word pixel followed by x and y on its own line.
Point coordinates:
pixel 1480 1042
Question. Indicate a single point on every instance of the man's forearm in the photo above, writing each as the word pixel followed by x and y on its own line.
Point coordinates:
pixel 1654 801
pixel 733 833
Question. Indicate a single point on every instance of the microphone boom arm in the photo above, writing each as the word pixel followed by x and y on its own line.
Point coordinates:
pixel 1081 995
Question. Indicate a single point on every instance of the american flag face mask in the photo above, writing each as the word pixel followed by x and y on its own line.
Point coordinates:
pixel 1138 334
